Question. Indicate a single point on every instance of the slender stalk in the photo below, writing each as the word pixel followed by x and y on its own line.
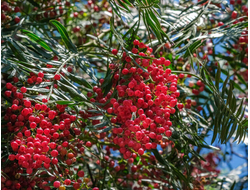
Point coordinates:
pixel 91 176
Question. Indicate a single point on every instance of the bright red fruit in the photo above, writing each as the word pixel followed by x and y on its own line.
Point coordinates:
pixel 56 184
pixel 17 20
pixel 114 51
pixel 57 77
pixel 80 173
pixel 234 15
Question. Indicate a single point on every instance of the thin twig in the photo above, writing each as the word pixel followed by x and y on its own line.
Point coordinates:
pixel 91 176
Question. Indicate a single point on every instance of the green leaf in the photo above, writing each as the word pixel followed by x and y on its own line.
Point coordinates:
pixel 130 31
pixel 81 62
pixel 241 79
pixel 117 35
pixel 107 84
pixel 123 4
pixel 102 124
pixel 41 90
pixel 64 102
pixel 210 147
pixel 215 131
pixel 36 39
pixel 99 117
pixel 64 35
pixel 73 93
pixel 149 22
pixel 60 94
pixel 16 50
pixel 217 77
pixel 197 155
pixel 103 130
pixel 78 80
pixel 237 86
pixel 178 173
pixel 158 157
pixel 192 48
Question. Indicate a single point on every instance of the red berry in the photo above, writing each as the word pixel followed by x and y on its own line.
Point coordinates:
pixel 3 17
pixel 27 103
pixel 54 161
pixel 234 15
pixel 199 83
pixel 241 39
pixel 167 63
pixel 39 79
pixel 141 45
pixel 168 133
pixel 9 85
pixel 125 71
pixel 17 9
pixel 17 185
pixel 134 50
pixel 67 3
pixel 134 168
pixel 80 173
pixel 75 14
pixel 27 133
pixel 12 157
pixel 148 146
pixel 220 24
pixel 89 94
pixel 54 153
pixel 23 89
pixel 56 184
pixel 181 75
pixel 101 81
pixel 76 185
pixel 5 7
pixel 180 106
pixel 136 42
pixel 7 93
pixel 40 74
pixel 67 182
pixel 114 51
pixel 88 144
pixel 55 58
pixel 199 108
pixel 57 77
pixel 112 66
pixel 128 59
pixel 17 20
pixel 70 69
pixel 140 151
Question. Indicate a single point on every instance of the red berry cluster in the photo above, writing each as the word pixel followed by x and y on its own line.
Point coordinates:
pixel 6 10
pixel 197 88
pixel 147 96
pixel 9 11
pixel 41 134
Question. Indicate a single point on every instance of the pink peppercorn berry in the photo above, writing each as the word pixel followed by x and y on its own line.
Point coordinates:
pixel 57 77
